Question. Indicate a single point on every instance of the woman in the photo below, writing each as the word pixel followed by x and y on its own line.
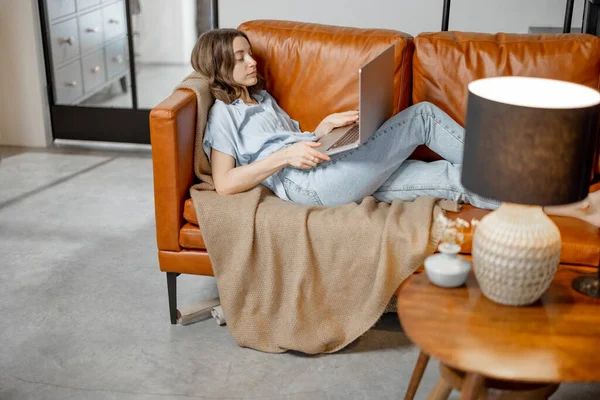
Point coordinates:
pixel 250 140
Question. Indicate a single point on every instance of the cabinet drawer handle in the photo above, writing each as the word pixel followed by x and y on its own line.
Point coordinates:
pixel 114 21
pixel 70 40
pixel 96 69
pixel 118 59
pixel 71 84
pixel 92 30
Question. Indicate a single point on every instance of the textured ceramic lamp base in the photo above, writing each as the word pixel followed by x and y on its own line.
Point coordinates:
pixel 516 251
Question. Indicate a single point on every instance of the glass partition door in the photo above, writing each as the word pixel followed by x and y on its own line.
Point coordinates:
pixel 109 62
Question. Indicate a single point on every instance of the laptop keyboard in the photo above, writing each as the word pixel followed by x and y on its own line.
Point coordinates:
pixel 350 137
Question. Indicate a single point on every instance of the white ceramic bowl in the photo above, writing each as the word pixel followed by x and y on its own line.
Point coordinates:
pixel 447 270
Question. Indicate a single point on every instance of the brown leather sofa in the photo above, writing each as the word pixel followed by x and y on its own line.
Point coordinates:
pixel 312 71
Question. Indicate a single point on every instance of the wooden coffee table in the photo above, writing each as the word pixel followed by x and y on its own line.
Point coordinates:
pixel 481 344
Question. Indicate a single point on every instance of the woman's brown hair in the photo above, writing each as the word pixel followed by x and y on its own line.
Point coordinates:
pixel 213 57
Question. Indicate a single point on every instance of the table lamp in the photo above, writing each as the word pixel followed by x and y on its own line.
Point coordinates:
pixel 529 143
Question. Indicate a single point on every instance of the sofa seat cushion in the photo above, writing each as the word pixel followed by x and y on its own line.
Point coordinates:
pixel 189 212
pixel 581 241
pixel 190 237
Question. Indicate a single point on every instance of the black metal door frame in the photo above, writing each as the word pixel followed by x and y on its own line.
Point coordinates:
pixel 129 125
pixel 445 15
pixel 591 16
pixel 591 10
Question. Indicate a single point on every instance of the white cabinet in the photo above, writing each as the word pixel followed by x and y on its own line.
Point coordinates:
pixel 88 41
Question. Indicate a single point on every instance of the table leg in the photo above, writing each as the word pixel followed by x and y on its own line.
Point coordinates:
pixel 441 390
pixel 417 375
pixel 472 387
pixel 475 386
pixel 543 393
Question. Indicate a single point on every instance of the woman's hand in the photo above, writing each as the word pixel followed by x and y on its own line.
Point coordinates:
pixel 303 155
pixel 335 121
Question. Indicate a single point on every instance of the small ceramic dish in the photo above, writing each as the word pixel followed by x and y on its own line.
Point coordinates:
pixel 447 269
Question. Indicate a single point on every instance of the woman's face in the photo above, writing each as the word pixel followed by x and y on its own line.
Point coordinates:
pixel 244 71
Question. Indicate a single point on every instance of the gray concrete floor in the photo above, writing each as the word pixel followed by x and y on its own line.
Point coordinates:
pixel 83 306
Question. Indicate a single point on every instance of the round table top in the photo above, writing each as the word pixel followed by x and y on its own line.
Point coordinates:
pixel 556 339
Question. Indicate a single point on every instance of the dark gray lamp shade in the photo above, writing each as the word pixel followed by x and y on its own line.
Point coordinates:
pixel 530 140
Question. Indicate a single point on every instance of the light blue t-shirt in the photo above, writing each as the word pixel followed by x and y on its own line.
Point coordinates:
pixel 251 132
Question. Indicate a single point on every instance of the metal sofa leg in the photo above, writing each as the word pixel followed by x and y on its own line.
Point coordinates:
pixel 172 289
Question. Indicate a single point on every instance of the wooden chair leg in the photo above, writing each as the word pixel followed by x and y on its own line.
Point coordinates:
pixel 172 289
pixel 441 390
pixel 417 375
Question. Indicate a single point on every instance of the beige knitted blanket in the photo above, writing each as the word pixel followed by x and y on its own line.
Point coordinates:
pixel 310 279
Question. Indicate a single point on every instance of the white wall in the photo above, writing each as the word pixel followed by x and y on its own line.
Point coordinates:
pixel 167 31
pixel 24 119
pixel 410 16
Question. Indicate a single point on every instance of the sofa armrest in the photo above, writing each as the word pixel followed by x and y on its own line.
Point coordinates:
pixel 172 135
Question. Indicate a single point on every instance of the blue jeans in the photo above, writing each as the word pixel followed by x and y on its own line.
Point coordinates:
pixel 380 167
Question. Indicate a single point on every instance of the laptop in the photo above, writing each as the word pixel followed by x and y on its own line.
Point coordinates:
pixel 375 105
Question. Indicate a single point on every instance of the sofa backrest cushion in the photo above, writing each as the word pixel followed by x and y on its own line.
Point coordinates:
pixel 445 62
pixel 312 69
